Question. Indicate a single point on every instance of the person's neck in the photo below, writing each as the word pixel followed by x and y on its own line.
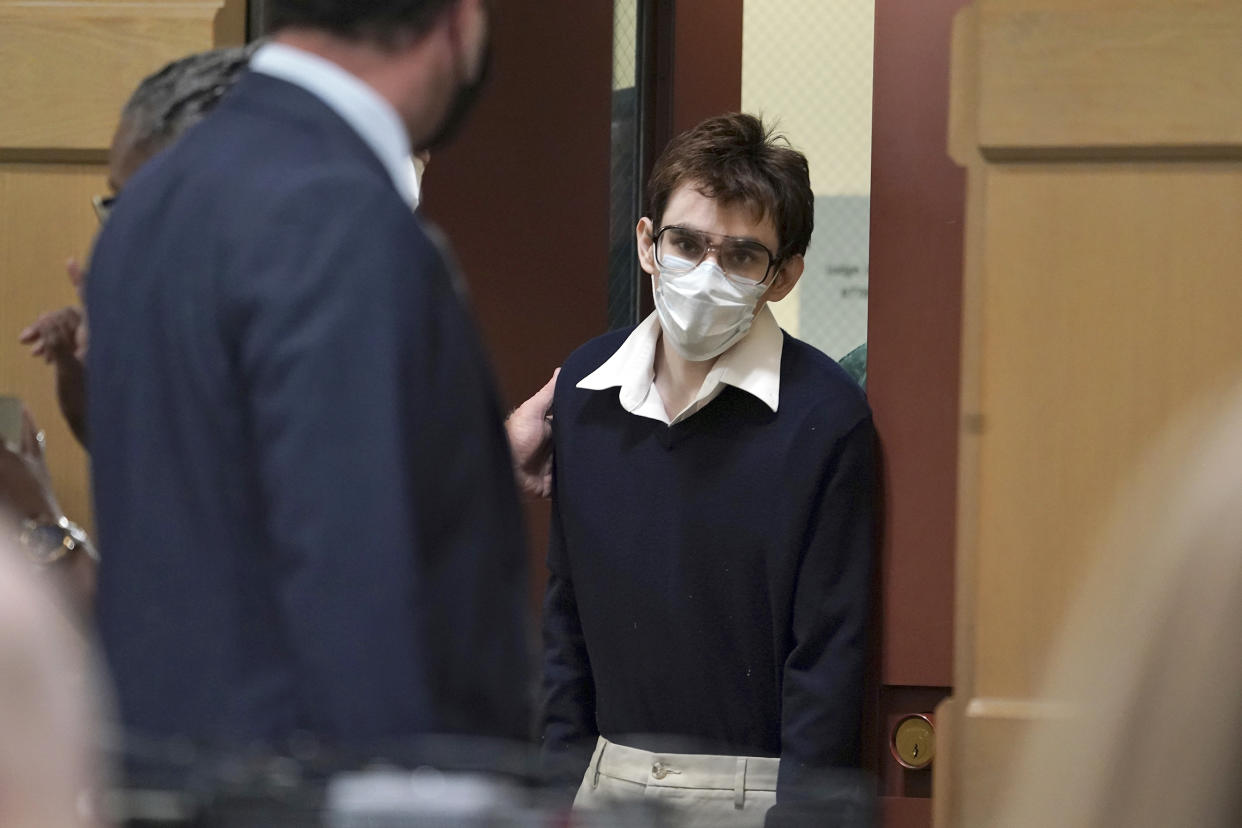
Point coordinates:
pixel 676 378
pixel 387 71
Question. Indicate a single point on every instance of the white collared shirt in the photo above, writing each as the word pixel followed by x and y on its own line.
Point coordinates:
pixel 360 106
pixel 753 365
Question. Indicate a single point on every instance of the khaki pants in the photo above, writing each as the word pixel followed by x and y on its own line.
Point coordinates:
pixel 690 789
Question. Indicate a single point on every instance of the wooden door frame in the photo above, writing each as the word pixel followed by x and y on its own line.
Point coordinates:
pixel 913 378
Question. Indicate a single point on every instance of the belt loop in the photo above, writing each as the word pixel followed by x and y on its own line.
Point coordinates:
pixel 739 784
pixel 599 757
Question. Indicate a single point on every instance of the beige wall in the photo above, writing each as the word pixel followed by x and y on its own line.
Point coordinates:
pixel 807 67
pixel 624 36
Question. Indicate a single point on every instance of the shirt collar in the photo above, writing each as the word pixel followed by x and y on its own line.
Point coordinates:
pixel 752 365
pixel 359 105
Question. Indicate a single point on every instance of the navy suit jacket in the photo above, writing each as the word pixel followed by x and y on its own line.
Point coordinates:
pixel 304 494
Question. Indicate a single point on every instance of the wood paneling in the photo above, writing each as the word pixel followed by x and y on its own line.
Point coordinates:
pixel 897 810
pixel 1100 303
pixel 706 61
pixel 68 67
pixel 1090 80
pixel 1112 299
pixel 913 322
pixel 45 217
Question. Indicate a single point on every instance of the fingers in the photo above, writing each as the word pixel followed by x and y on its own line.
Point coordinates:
pixel 80 340
pixel 36 330
pixel 67 318
pixel 76 275
pixel 54 335
pixel 545 479
pixel 543 397
pixel 47 342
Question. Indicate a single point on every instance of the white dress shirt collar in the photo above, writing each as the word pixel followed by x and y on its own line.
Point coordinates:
pixel 360 106
pixel 753 365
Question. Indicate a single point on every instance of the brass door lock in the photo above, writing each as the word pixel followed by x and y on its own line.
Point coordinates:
pixel 914 741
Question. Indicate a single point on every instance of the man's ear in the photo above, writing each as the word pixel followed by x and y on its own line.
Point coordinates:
pixel 785 279
pixel 467 25
pixel 644 236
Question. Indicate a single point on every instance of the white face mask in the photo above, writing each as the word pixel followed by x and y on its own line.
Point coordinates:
pixel 702 312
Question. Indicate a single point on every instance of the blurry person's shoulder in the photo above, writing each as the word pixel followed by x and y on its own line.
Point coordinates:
pixel 813 381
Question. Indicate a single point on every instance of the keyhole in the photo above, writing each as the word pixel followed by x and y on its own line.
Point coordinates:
pixel 916 750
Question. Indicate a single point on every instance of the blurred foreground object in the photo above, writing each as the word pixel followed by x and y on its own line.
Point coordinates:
pixel 48 766
pixel 1147 663
pixel 46 538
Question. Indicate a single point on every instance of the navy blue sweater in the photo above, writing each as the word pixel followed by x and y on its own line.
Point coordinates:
pixel 709 581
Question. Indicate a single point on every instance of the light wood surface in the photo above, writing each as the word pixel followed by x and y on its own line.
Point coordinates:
pixel 1101 300
pixel 1105 80
pixel 68 67
pixel 45 217
pixel 1113 298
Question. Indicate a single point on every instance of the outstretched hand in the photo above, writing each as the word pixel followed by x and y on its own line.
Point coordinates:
pixel 54 335
pixel 60 336
pixel 530 440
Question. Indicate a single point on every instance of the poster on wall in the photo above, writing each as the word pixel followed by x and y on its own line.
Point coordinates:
pixel 832 314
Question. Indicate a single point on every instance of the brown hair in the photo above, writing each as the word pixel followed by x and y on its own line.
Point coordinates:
pixel 734 158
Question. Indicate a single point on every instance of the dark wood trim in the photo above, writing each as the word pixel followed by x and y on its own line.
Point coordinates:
pixel 913 377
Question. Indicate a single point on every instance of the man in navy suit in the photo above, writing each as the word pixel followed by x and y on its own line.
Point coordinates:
pixel 305 504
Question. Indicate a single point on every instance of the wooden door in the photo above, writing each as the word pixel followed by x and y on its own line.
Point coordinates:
pixel 1102 145
pixel 68 68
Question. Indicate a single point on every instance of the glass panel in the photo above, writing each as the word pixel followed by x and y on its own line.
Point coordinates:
pixel 623 213
pixel 807 69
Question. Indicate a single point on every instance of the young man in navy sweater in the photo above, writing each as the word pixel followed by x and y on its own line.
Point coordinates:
pixel 711 546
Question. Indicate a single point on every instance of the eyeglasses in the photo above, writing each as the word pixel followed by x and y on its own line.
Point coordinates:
pixel 680 250
pixel 103 206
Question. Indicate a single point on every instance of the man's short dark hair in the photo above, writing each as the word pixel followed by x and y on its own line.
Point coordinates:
pixel 373 19
pixel 735 159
